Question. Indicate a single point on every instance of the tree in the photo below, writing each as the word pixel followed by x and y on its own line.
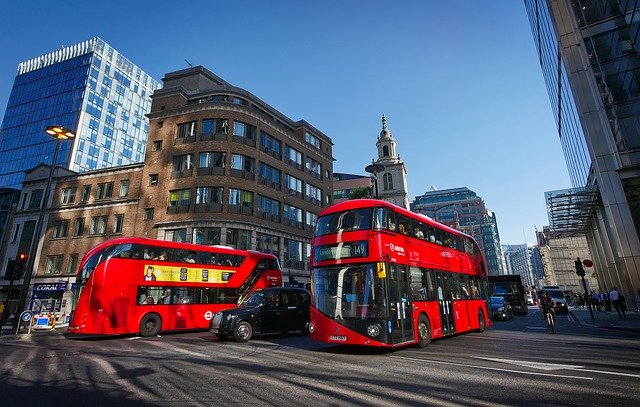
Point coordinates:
pixel 358 193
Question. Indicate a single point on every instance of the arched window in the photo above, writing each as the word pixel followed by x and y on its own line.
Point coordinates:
pixel 385 151
pixel 387 180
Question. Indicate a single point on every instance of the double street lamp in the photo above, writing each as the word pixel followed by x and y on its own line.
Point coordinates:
pixel 60 133
pixel 435 210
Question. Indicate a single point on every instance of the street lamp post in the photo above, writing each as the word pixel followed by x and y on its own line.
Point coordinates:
pixel 435 211
pixel 374 169
pixel 59 133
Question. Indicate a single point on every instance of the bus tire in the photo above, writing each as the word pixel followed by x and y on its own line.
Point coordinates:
pixel 424 331
pixel 243 331
pixel 482 324
pixel 151 325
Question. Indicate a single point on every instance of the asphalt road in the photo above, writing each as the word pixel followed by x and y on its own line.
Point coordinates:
pixel 514 362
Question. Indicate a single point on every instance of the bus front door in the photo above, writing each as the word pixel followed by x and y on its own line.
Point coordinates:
pixel 445 304
pixel 399 305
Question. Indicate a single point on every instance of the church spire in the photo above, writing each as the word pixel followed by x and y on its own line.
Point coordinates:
pixel 385 133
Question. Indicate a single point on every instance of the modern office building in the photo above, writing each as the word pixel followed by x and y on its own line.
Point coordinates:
pixel 88 87
pixel 559 250
pixel 463 209
pixel 589 55
pixel 222 168
pixel 519 259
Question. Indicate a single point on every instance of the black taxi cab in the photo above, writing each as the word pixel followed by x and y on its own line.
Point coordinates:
pixel 268 310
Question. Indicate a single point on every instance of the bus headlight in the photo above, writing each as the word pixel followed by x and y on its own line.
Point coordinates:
pixel 373 330
pixel 311 327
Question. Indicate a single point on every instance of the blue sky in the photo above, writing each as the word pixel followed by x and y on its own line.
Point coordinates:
pixel 459 82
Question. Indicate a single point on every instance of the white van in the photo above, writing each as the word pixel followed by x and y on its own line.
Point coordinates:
pixel 557 294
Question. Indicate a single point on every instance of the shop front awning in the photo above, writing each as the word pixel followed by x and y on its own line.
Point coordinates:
pixel 571 210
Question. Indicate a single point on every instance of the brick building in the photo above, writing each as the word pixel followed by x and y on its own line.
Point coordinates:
pixel 221 167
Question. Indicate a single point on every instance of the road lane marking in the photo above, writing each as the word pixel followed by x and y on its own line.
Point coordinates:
pixel 555 366
pixel 493 368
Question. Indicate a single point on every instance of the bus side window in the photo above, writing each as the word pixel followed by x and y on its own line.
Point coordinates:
pixel 380 218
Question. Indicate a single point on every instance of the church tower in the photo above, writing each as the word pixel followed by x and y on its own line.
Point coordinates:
pixel 391 182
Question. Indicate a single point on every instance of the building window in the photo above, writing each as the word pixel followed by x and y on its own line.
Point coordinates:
pixel 293 156
pixel 78 227
pixel 268 244
pixel 242 163
pixel 292 214
pixel 208 195
pixel 73 264
pixel 105 190
pixel 148 214
pixel 176 235
pixel 60 229
pixel 182 162
pixel 54 264
pixel 117 226
pixel 387 180
pixel 269 175
pixel 314 192
pixel 180 197
pixel 238 238
pixel 311 139
pixel 68 196
pixel 124 188
pixel 313 167
pixel 211 126
pixel 244 130
pixel 211 159
pixel 292 251
pixel 268 206
pixel 36 198
pixel 86 193
pixel 157 145
pixel 206 236
pixel 16 233
pixel 270 144
pixel 187 129
pixel 292 183
pixel 98 225
pixel 240 197
pixel 311 219
pixel 153 179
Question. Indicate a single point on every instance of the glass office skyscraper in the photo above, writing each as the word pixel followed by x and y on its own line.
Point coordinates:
pixel 88 87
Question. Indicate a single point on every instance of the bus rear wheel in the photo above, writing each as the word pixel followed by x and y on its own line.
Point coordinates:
pixel 151 325
pixel 481 322
pixel 424 332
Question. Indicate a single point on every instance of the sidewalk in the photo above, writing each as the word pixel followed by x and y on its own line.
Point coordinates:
pixel 608 319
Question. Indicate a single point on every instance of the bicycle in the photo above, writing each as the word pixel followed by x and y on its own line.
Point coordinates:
pixel 551 322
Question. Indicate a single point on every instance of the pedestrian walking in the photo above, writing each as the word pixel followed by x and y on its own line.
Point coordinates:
pixel 595 300
pixel 617 299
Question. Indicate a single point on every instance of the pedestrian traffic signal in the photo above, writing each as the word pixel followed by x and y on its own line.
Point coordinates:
pixel 579 268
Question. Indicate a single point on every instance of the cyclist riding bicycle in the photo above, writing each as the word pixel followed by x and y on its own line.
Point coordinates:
pixel 546 303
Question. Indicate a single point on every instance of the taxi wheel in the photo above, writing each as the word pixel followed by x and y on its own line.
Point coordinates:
pixel 243 331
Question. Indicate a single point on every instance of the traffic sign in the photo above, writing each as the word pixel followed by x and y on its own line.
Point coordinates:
pixel 587 263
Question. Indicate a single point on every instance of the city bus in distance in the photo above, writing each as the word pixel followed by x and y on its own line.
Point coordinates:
pixel 142 286
pixel 384 276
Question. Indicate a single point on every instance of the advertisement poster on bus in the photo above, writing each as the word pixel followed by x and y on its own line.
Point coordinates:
pixel 186 274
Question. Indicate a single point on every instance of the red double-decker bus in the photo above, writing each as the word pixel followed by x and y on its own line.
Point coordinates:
pixel 385 276
pixel 144 286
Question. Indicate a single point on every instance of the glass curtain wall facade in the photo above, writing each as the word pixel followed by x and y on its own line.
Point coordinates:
pixel 88 87
pixel 598 49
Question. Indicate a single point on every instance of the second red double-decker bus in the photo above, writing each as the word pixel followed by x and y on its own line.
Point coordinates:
pixel 385 276
pixel 134 285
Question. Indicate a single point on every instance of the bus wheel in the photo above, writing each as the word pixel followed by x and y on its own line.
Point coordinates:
pixel 243 331
pixel 151 325
pixel 424 332
pixel 481 322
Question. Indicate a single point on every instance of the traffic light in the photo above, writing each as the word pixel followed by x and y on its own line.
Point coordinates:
pixel 20 266
pixel 579 268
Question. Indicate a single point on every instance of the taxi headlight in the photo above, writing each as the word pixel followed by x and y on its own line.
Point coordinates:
pixel 373 330
pixel 312 327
